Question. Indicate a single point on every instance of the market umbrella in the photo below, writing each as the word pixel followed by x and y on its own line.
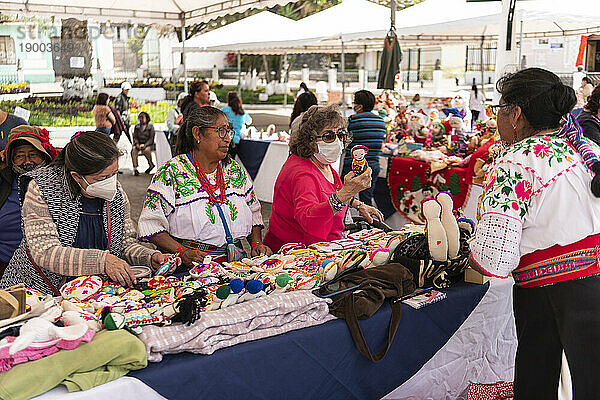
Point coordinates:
pixel 390 61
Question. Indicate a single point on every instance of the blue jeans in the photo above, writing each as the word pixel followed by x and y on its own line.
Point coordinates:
pixel 366 196
pixel 103 130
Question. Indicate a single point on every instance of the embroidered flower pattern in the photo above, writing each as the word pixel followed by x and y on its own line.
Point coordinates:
pixel 523 190
pixel 508 190
pixel 541 150
pixel 552 149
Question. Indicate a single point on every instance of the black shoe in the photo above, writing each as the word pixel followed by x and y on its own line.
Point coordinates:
pixel 120 172
pixel 135 172
pixel 150 168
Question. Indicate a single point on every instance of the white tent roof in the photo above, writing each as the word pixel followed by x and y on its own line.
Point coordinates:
pixel 540 18
pixel 262 30
pixel 346 18
pixel 136 11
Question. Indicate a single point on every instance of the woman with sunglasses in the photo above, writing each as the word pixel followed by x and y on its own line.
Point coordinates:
pixel 201 200
pixel 310 201
pixel 539 220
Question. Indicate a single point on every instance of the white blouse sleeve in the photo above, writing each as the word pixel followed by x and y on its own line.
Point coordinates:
pixel 159 203
pixel 503 208
pixel 252 202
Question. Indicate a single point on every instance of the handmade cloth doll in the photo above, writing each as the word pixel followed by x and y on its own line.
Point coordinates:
pixel 359 162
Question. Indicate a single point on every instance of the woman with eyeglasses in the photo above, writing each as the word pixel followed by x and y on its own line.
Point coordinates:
pixel 539 220
pixel 201 200
pixel 310 201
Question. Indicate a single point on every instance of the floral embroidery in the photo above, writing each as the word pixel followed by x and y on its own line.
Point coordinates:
pixel 523 190
pixel 152 200
pixel 541 150
pixel 252 198
pixel 210 213
pixel 507 190
pixel 554 150
pixel 235 175
pixel 233 211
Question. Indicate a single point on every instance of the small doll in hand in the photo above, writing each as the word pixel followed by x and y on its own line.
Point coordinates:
pixel 359 162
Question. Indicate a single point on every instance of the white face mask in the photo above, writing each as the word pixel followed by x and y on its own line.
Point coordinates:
pixel 329 152
pixel 105 189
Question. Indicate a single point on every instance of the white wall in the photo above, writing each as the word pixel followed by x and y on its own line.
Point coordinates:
pixel 557 59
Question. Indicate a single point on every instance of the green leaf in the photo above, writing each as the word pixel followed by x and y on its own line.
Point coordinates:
pixel 506 190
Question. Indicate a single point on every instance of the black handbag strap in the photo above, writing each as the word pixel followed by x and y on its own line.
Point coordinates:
pixel 356 331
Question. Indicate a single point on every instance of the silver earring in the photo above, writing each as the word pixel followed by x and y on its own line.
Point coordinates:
pixel 197 141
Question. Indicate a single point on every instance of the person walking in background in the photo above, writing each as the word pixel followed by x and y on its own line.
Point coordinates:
pixel 122 105
pixel 7 123
pixel 476 104
pixel 238 118
pixel 586 88
pixel 199 96
pixel 366 129
pixel 303 103
pixel 103 116
pixel 303 89
pixel 143 142
pixel 174 118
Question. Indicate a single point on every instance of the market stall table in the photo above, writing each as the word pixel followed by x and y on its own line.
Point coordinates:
pixel 469 337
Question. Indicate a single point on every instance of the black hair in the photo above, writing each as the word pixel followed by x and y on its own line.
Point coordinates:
pixel 195 86
pixel 474 88
pixel 202 117
pixel 234 101
pixel 303 86
pixel 86 154
pixel 593 103
pixel 585 78
pixel 102 98
pixel 366 99
pixel 540 94
pixel 145 114
pixel 302 104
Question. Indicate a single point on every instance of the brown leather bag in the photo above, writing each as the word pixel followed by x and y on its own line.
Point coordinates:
pixel 360 294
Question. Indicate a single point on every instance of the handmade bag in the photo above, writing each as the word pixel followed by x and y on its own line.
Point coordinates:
pixel 360 294
pixel 414 254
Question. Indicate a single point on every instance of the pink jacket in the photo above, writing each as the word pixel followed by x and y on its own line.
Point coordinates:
pixel 301 211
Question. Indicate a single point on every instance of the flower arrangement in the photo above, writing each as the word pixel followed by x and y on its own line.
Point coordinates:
pixel 11 88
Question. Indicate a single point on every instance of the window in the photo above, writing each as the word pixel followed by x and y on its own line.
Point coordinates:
pixel 7 51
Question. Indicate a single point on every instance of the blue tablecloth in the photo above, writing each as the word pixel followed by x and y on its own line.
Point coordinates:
pixel 252 153
pixel 320 362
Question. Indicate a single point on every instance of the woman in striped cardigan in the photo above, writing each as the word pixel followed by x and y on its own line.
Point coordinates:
pixel 76 220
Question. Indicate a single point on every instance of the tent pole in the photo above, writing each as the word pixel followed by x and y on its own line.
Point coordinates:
pixel 285 80
pixel 239 71
pixel 343 62
pixel 482 67
pixel 519 63
pixel 185 82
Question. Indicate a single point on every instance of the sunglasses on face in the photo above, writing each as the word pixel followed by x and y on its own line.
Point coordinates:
pixel 223 131
pixel 329 136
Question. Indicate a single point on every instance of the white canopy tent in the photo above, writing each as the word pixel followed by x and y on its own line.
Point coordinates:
pixel 263 30
pixel 165 12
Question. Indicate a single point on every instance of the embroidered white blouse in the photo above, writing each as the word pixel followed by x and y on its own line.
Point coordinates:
pixel 537 195
pixel 177 204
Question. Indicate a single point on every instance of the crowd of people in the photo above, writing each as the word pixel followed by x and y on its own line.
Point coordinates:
pixel 64 214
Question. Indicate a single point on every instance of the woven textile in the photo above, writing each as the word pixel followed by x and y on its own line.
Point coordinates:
pixel 255 319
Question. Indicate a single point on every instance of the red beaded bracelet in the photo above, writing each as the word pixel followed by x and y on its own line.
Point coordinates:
pixel 180 250
pixel 256 243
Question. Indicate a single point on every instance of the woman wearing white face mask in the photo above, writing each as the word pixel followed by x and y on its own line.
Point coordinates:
pixel 76 220
pixel 310 201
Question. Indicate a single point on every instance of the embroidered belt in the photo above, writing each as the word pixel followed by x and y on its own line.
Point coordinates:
pixel 215 251
pixel 559 263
